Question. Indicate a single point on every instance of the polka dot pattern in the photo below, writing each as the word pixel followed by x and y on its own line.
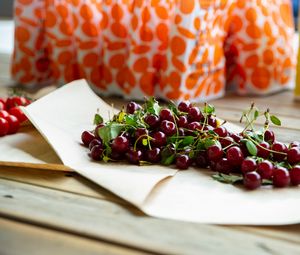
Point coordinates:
pixel 179 50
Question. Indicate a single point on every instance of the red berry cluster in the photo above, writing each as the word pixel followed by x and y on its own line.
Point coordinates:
pixel 11 116
pixel 186 135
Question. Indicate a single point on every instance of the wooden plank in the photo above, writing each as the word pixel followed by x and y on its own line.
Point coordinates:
pixel 18 238
pixel 278 104
pixel 49 167
pixel 108 221
pixel 68 182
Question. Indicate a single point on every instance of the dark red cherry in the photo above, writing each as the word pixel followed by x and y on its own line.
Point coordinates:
pixel 280 151
pixel 184 106
pixel 235 156
pixel 214 153
pixel 87 137
pixel 152 120
pixel 183 162
pixel 221 131
pixel 248 165
pixel 295 175
pixel 293 155
pixel 252 180
pixel 166 114
pixel 120 144
pixel 269 136
pixel 159 139
pixel 265 169
pixel 263 150
pixel 281 177
pixel 153 155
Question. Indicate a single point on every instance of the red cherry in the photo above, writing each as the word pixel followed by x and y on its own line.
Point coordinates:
pixel 17 112
pixel 182 121
pixel 248 165
pixel 265 169
pixel 226 141
pixel 168 127
pixel 279 147
pixel 194 114
pixel 120 144
pixel 293 155
pixel 261 152
pixel 134 156
pixel 269 136
pixel 132 107
pixel 4 126
pixel 152 120
pixel 14 124
pixel 221 131
pixel 159 139
pixel 183 162
pixel 252 180
pixel 281 177
pixel 166 114
pixel 96 152
pixel 223 166
pixel 184 106
pixel 214 153
pixel 3 114
pixel 235 156
pixel 153 155
pixel 87 137
pixel 295 175
pixel 2 106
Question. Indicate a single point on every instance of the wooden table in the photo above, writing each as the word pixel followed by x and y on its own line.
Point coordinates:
pixel 56 212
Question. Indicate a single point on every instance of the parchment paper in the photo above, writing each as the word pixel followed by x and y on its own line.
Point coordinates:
pixel 190 195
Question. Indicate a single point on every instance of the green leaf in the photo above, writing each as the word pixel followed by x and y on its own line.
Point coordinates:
pixel 227 178
pixel 209 109
pixel 173 108
pixel 131 120
pixel 110 131
pixel 168 160
pixel 266 182
pixel 275 120
pixel 251 147
pixel 98 119
pixel 256 114
pixel 187 140
pixel 168 155
pixel 152 106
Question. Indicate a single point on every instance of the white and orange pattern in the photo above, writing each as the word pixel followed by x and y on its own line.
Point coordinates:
pixel 172 49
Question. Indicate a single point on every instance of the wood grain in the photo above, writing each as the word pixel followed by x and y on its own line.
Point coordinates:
pixel 106 221
pixel 18 238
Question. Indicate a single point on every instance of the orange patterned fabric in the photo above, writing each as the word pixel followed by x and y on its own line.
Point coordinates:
pixel 172 49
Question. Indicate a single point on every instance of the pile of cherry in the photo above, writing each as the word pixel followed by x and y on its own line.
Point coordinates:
pixel 11 116
pixel 186 135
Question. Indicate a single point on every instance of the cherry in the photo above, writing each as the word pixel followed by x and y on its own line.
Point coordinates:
pixel 134 156
pixel 182 121
pixel 281 177
pixel 265 169
pixel 269 136
pixel 201 160
pixel 96 152
pixel 13 123
pixel 153 155
pixel 4 127
pixel 194 114
pixel 87 137
pixel 295 175
pixel 252 180
pixel 194 125
pixel 226 141
pixel 132 107
pixel 168 127
pixel 261 152
pixel 120 144
pixel 15 101
pixel 237 138
pixel 115 155
pixel 183 162
pixel 279 147
pixel 221 131
pixel 293 155
pixel 17 112
pixel 3 114
pixel 214 153
pixel 184 106
pixel 223 166
pixel 212 121
pixel 159 139
pixel 152 120
pixel 181 131
pixel 2 106
pixel 248 165
pixel 166 114
pixel 95 142
pixel 235 156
